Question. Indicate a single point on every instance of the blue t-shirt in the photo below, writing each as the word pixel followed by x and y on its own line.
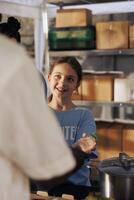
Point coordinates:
pixel 74 123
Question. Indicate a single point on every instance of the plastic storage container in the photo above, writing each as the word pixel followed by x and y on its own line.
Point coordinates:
pixel 74 38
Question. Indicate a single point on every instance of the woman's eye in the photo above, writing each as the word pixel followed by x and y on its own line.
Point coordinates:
pixel 70 79
pixel 57 76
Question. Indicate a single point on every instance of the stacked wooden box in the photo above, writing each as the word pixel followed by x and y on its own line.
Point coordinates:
pixel 73 17
pixel 112 35
pixel 73 30
pixel 131 36
pixel 114 138
pixel 99 86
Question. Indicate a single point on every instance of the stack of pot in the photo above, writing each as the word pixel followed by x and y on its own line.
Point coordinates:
pixel 117 177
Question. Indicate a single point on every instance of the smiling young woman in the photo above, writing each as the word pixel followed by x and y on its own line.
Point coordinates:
pixel 77 123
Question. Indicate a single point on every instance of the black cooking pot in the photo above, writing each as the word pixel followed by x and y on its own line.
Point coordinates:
pixel 117 177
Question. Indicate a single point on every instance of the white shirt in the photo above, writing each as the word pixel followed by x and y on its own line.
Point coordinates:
pixel 31 142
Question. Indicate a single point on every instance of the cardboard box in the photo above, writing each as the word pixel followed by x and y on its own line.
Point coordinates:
pixel 128 139
pixel 131 31
pixel 73 17
pixel 109 140
pixel 131 42
pixel 97 87
pixel 112 35
pixel 131 36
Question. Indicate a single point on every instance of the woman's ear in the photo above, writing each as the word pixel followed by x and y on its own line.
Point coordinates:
pixel 76 91
pixel 78 84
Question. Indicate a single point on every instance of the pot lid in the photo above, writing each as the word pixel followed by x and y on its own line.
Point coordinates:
pixel 118 166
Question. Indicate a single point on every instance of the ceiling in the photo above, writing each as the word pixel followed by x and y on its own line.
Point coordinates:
pixel 79 2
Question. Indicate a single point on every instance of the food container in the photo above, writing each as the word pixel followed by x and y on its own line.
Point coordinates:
pixel 73 17
pixel 124 111
pixel 107 113
pixel 112 35
pixel 117 177
pixel 121 90
pixel 72 38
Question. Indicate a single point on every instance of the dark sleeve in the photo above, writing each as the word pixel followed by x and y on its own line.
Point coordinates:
pixel 46 185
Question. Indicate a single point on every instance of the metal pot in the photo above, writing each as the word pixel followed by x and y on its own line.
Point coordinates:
pixel 117 177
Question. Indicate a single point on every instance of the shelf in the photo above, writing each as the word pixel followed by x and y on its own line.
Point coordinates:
pixel 78 2
pixel 120 112
pixel 98 7
pixel 124 121
pixel 95 52
pixel 105 103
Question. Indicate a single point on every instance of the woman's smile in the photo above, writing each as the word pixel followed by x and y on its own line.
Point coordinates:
pixel 61 90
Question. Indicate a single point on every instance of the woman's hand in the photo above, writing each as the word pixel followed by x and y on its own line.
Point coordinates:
pixel 86 143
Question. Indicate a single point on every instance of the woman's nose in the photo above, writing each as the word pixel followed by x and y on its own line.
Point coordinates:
pixel 63 80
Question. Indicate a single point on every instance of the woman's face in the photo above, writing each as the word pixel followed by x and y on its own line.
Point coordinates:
pixel 63 81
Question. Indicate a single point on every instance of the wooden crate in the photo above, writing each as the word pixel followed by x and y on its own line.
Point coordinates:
pixel 131 36
pixel 112 35
pixel 73 17
pixel 128 139
pixel 97 87
pixel 109 140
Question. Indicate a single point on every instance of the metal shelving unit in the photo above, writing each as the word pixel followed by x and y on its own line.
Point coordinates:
pixel 79 2
pixel 36 10
pixel 98 7
pixel 120 112
pixel 92 52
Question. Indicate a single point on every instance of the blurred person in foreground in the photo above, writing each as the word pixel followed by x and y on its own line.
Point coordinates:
pixel 31 142
pixel 27 143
